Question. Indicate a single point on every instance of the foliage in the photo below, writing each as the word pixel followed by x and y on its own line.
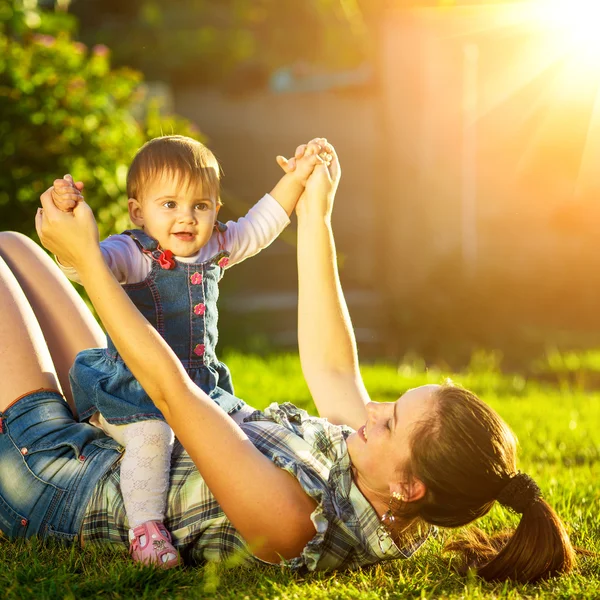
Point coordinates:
pixel 560 447
pixel 64 110
pixel 236 42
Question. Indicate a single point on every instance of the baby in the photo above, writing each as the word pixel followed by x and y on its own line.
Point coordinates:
pixel 170 267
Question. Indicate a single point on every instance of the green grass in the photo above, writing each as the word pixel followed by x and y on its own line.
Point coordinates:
pixel 558 428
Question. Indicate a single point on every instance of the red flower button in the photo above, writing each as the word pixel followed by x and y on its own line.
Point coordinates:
pixel 166 260
pixel 199 309
pixel 223 262
pixel 196 278
pixel 199 350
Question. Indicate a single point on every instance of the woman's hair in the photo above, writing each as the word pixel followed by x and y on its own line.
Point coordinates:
pixel 466 457
pixel 183 158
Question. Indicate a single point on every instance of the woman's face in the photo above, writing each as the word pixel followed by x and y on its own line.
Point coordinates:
pixel 381 446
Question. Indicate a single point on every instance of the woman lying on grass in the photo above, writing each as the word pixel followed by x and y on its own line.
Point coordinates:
pixel 361 484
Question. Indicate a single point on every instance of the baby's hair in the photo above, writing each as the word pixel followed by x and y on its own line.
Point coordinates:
pixel 185 159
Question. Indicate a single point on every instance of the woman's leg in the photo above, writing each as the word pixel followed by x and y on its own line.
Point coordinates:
pixel 25 362
pixel 65 321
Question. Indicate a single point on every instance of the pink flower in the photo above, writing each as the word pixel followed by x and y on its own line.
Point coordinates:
pixel 166 260
pixel 196 278
pixel 101 50
pixel 199 350
pixel 199 309
pixel 223 262
pixel 76 82
pixel 44 40
pixel 79 47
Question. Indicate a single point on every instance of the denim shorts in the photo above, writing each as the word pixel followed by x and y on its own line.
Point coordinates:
pixel 49 467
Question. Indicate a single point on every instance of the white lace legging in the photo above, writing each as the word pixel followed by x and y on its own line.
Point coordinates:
pixel 145 467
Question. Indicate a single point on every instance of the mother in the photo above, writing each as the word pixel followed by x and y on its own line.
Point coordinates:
pixel 275 486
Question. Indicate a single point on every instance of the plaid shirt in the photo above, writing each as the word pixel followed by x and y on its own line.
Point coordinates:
pixel 348 530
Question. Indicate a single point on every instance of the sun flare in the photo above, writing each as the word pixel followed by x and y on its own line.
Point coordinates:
pixel 575 24
pixel 539 80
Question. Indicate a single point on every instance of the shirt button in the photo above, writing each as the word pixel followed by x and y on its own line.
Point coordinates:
pixel 199 350
pixel 196 278
pixel 24 451
pixel 23 522
pixel 199 309
pixel 82 458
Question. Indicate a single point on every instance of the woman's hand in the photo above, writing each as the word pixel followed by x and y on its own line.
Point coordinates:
pixel 71 236
pixel 321 187
pixel 318 146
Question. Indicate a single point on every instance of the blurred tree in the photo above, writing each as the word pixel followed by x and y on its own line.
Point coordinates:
pixel 64 110
pixel 207 42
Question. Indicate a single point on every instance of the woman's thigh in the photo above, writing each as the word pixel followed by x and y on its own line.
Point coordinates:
pixel 25 362
pixel 66 324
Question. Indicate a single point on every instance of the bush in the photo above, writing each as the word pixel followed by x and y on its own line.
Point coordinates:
pixel 64 110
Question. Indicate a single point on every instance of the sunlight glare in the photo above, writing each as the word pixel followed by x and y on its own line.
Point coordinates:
pixel 576 22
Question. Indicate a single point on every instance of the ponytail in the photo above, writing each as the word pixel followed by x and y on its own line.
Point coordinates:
pixel 538 548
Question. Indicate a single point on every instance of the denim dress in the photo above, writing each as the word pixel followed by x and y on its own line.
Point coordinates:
pixel 180 301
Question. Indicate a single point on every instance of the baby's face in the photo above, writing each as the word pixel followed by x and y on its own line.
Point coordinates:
pixel 180 216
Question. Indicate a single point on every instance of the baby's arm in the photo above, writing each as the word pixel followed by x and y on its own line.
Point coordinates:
pixel 122 257
pixel 251 233
pixel 270 216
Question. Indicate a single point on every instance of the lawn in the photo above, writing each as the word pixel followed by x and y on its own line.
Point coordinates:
pixel 559 433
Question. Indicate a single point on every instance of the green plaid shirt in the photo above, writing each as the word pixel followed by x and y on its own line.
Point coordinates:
pixel 348 530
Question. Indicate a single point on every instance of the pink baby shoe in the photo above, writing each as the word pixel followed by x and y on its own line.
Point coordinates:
pixel 150 542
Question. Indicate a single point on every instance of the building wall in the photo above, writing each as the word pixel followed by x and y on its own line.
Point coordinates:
pixel 247 133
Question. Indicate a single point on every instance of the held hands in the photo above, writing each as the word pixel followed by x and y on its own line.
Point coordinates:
pixel 306 158
pixel 66 193
pixel 72 236
pixel 322 182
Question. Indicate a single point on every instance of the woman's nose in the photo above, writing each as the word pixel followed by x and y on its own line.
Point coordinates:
pixel 379 409
pixel 372 409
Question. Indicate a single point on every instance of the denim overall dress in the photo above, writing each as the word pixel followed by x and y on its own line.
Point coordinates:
pixel 180 301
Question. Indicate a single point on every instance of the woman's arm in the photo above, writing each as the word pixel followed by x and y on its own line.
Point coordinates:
pixel 265 504
pixel 325 335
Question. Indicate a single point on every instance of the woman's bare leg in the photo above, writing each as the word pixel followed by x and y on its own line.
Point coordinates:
pixel 25 362
pixel 65 321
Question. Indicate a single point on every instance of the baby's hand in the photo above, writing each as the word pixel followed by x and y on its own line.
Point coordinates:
pixel 66 193
pixel 317 152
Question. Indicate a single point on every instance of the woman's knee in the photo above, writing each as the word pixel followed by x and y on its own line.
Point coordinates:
pixel 13 240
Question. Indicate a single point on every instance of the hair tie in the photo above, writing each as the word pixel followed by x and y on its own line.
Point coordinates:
pixel 519 493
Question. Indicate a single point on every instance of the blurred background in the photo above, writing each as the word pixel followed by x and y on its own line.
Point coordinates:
pixel 468 133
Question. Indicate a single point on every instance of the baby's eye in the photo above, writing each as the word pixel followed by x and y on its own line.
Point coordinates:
pixel 202 206
pixel 169 204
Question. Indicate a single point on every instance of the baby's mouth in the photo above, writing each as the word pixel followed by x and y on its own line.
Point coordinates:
pixel 185 236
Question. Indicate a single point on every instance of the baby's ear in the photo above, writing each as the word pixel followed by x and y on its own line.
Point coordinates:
pixel 135 212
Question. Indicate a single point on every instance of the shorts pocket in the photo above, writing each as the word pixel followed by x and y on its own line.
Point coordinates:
pixel 59 536
pixel 55 464
pixel 12 524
